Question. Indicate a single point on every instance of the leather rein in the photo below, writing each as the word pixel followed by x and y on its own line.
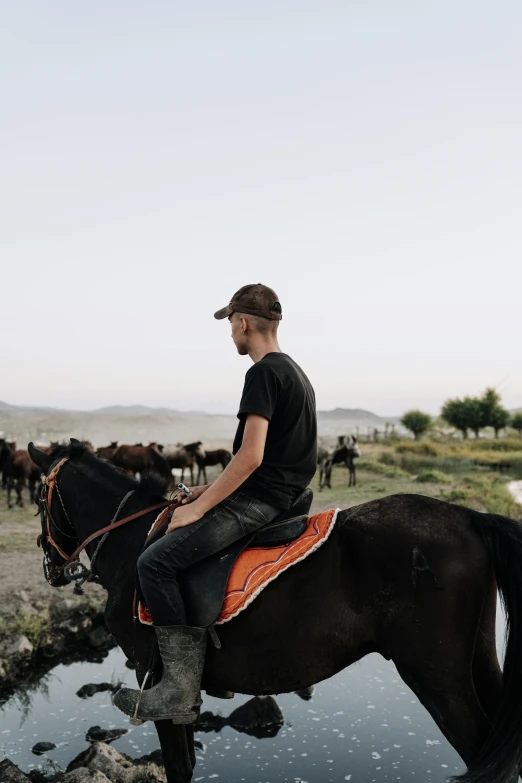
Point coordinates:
pixel 72 569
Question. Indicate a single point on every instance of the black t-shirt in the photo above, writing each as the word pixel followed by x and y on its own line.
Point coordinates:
pixel 278 389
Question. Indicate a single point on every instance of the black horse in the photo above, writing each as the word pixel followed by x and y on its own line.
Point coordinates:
pixel 209 458
pixel 407 576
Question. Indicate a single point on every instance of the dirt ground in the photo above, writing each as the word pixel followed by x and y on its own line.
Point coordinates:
pixel 21 574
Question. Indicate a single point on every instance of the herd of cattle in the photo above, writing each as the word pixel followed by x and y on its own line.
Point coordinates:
pixel 18 470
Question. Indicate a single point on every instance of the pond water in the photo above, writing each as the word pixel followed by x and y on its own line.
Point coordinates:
pixel 363 725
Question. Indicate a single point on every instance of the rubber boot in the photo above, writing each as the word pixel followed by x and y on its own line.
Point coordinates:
pixel 177 695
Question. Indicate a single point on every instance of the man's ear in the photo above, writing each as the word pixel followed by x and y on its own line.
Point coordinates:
pixel 244 325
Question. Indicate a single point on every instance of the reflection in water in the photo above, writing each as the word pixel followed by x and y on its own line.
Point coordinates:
pixel 363 725
pixel 259 717
pixel 306 693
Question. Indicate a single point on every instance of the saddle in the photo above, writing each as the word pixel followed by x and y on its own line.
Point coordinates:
pixel 203 584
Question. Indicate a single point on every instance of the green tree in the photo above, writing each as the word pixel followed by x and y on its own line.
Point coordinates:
pixel 456 413
pixel 499 418
pixel 475 412
pixel 494 414
pixel 516 422
pixel 417 422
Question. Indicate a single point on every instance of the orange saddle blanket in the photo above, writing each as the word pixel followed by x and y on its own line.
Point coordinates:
pixel 257 567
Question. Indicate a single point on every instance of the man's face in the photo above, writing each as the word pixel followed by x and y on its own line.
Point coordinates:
pixel 238 326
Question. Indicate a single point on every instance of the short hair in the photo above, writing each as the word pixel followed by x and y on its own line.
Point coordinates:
pixel 260 324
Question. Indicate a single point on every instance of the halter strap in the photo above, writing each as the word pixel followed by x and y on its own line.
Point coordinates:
pixel 107 528
pixel 50 482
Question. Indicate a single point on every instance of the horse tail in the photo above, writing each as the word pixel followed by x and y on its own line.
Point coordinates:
pixel 501 757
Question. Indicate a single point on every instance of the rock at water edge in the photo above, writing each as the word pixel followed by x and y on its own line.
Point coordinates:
pixel 9 773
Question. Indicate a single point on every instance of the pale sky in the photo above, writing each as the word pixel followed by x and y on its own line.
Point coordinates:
pixel 362 158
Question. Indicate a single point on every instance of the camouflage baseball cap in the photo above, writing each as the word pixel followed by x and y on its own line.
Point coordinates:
pixel 255 299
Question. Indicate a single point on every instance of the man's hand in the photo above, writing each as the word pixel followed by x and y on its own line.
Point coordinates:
pixel 196 493
pixel 183 517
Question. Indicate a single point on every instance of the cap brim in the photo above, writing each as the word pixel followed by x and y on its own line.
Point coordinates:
pixel 223 313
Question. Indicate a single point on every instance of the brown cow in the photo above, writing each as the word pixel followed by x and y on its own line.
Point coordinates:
pixel 140 459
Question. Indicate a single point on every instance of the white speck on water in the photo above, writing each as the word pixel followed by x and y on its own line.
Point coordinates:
pixel 432 742
pixel 347 777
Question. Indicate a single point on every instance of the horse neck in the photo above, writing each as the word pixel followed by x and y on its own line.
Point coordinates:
pixel 91 511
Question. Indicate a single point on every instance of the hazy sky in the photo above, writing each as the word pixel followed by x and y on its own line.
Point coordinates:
pixel 362 158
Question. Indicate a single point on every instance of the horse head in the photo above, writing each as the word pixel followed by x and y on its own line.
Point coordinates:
pixel 81 493
pixel 354 447
pixel 57 537
pixel 196 449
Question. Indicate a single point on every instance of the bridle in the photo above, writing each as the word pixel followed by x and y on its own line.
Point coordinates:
pixel 71 569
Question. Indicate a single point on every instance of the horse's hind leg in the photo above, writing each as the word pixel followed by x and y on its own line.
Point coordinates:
pixel 449 696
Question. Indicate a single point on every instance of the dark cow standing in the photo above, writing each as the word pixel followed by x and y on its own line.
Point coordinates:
pixel 209 458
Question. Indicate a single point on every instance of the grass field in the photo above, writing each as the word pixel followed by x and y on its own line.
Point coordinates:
pixel 471 474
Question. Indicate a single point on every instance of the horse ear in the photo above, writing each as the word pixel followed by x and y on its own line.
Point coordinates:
pixel 74 442
pixel 40 458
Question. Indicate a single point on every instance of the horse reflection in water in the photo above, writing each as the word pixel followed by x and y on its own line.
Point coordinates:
pixel 259 717
pixel 410 577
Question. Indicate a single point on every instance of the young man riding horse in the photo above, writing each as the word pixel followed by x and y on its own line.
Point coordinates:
pixel 275 454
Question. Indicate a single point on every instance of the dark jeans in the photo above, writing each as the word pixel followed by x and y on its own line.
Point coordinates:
pixel 158 566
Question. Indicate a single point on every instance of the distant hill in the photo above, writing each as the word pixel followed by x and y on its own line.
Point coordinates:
pixel 134 410
pixel 17 410
pixel 139 423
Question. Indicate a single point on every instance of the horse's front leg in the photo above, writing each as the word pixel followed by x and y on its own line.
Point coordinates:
pixel 177 749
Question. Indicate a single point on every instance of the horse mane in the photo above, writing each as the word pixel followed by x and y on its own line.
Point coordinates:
pixel 150 484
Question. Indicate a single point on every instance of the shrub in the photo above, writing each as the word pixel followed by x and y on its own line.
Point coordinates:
pixel 425 448
pixel 506 444
pixel 383 469
pixel 460 496
pixel 435 476
pixel 516 422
